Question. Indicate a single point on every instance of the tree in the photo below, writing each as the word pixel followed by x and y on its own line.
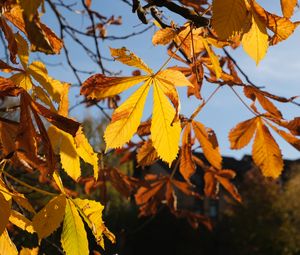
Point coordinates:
pixel 43 141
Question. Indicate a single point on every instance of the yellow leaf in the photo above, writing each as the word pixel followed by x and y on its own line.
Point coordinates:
pixel 146 155
pixel 176 78
pixel 165 137
pixel 213 58
pixel 5 209
pixel 210 148
pixel 23 51
pixel 99 86
pixel 228 17
pixel 23 80
pixel 41 94
pixel 287 7
pixel 28 251
pixel 266 153
pixel 69 157
pixel 7 247
pixel 73 238
pixel 39 72
pixel 91 212
pixel 241 135
pixel 187 166
pixel 281 26
pixel 64 144
pixel 86 152
pixel 164 36
pixel 255 41
pixel 170 91
pixel 48 219
pixel 126 118
pixel 129 58
pixel 21 221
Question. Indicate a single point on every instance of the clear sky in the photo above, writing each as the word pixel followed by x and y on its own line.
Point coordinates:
pixel 279 73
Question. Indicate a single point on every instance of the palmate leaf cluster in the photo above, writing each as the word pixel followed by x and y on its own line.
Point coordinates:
pixel 167 135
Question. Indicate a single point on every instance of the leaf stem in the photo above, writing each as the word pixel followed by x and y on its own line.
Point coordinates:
pixel 199 108
pixel 242 101
pixel 28 185
pixel 171 56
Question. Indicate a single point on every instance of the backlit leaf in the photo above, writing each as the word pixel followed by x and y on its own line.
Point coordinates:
pixel 291 139
pixel 5 209
pixel 23 51
pixel 281 26
pixel 242 134
pixel 213 58
pixel 10 38
pixel 210 150
pixel 86 152
pixel 99 86
pixel 146 155
pixel 126 118
pixel 256 40
pixel 74 238
pixel 266 152
pixel 228 17
pixel 92 214
pixel 164 36
pixel 174 77
pixel 21 221
pixel 48 219
pixel 187 166
pixel 287 7
pixel 7 247
pixel 129 58
pixel 165 137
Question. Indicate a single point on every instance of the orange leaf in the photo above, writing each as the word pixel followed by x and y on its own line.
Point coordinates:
pixel 266 152
pixel 210 149
pixel 229 187
pixel 187 166
pixel 241 134
pixel 287 7
pixel 281 26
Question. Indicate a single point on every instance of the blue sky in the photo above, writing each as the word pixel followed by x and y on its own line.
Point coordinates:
pixel 279 72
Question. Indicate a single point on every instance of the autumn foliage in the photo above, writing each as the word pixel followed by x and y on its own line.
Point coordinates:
pixel 45 139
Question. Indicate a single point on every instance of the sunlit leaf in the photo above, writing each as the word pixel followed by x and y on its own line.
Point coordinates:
pixel 74 238
pixel 48 219
pixel 266 152
pixel 126 118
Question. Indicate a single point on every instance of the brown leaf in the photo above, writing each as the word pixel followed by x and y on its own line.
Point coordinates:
pixel 294 141
pixel 242 134
pixel 144 128
pixel 10 38
pixel 100 86
pixel 68 125
pixel 8 88
pixel 294 126
pixel 146 155
pixel 187 167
